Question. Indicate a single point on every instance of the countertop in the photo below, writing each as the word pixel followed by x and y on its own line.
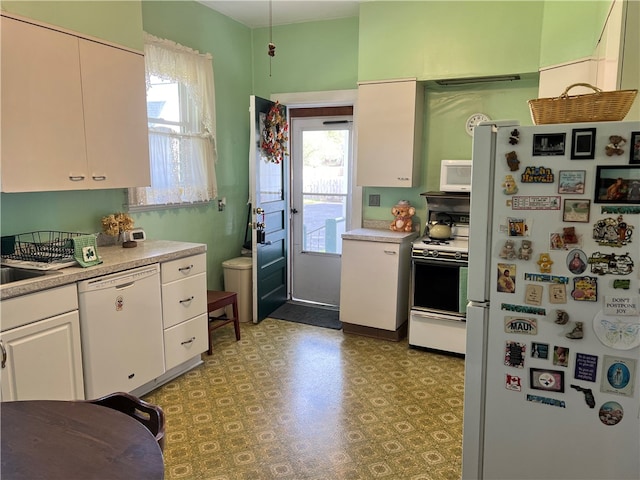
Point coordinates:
pixel 114 259
pixel 379 235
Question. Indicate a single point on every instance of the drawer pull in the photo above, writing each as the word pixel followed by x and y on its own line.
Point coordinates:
pixel 187 300
pixel 390 252
pixel 4 355
pixel 76 178
pixel 191 340
pixel 99 178
pixel 183 269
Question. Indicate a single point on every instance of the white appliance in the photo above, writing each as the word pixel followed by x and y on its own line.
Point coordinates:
pixel 438 288
pixel 455 175
pixel 121 329
pixel 533 410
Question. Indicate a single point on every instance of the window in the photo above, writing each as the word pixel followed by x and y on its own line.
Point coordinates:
pixel 181 115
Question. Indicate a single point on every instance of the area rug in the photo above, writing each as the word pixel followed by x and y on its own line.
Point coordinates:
pixel 319 317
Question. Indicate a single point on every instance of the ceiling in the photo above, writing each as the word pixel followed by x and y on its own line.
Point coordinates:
pixel 255 14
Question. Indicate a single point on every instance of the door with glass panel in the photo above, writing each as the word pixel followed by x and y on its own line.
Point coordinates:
pixel 321 151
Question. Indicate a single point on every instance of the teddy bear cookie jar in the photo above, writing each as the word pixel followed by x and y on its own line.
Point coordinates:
pixel 402 211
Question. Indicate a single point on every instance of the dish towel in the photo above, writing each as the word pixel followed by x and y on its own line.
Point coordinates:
pixel 85 250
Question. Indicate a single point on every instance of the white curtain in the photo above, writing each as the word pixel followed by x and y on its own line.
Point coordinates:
pixel 182 164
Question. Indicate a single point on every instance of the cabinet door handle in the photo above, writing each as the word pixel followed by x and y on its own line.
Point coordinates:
pixel 76 178
pixel 4 355
pixel 403 179
pixel 390 252
pixel 185 269
pixel 187 300
pixel 99 178
pixel 191 340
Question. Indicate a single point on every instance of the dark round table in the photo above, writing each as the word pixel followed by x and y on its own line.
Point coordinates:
pixel 49 439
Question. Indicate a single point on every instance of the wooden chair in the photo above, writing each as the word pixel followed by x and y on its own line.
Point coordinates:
pixel 217 300
pixel 151 416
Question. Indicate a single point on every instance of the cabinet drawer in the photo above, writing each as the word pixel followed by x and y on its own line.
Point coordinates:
pixel 36 306
pixel 183 268
pixel 185 341
pixel 184 299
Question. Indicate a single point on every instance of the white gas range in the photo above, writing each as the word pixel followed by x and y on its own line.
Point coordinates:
pixel 439 279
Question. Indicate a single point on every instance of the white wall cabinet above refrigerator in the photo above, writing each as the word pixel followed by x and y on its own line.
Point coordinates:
pixel 73 111
pixel 389 118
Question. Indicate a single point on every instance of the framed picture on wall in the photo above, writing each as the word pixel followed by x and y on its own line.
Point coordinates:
pixel 583 143
pixel 571 181
pixel 617 184
pixel 634 156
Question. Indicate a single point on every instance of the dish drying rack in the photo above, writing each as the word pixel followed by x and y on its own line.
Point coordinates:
pixel 43 250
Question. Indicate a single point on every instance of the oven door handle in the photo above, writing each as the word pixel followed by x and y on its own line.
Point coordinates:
pixel 438 316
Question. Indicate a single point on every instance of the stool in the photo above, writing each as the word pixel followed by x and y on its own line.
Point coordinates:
pixel 217 300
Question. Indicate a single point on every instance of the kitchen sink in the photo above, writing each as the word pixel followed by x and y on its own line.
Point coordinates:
pixel 12 274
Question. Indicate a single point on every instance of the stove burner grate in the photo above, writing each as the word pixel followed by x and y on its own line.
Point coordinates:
pixel 431 241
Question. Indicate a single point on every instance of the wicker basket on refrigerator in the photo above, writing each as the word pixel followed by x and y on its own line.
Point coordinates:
pixel 599 106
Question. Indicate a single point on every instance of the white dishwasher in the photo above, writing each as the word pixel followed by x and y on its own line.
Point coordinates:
pixel 121 330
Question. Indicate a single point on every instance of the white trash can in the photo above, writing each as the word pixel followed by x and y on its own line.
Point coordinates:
pixel 237 278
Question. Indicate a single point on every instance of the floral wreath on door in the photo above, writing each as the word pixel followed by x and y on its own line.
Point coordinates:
pixel 274 135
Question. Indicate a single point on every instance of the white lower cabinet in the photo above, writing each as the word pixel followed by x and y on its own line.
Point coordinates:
pixel 374 288
pixel 40 343
pixel 184 309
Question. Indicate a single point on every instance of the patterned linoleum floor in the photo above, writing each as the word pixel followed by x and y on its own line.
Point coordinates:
pixel 293 401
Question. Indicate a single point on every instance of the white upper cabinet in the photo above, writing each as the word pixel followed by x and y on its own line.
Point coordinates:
pixel 73 112
pixel 389 121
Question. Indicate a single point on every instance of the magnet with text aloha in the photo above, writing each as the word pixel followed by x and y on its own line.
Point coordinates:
pixel 509 185
pixel 576 261
pixel 612 232
pixel 524 325
pixel 544 263
pixel 537 175
pixel 513 383
pixel 512 161
pixel 585 289
pixel 611 264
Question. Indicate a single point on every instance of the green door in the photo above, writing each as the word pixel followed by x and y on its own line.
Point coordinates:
pixel 268 191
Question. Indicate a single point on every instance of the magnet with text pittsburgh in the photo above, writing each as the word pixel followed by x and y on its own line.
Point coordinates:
pixel 612 232
pixel 585 289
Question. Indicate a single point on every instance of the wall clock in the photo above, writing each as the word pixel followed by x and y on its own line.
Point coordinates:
pixel 474 120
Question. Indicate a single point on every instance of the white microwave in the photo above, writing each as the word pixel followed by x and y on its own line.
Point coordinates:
pixel 455 176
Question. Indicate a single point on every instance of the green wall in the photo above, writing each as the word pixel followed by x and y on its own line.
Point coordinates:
pixel 426 40
pixel 312 56
pixel 445 39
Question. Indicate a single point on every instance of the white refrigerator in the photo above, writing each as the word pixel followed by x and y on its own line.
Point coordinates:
pixel 552 380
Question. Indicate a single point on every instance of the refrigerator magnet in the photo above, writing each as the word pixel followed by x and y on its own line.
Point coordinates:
pixel 577 261
pixel 513 383
pixel 561 356
pixel 544 263
pixel 512 161
pixel 585 289
pixel 507 277
pixel 540 350
pixel 610 263
pixel 588 395
pixel 533 294
pixel 586 367
pixel 537 175
pixel 546 144
pixel 618 374
pixel 557 293
pixel 612 232
pixel 523 325
pixel 509 185
pixel 610 413
pixel 549 380
pixel 514 354
pixel 617 332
